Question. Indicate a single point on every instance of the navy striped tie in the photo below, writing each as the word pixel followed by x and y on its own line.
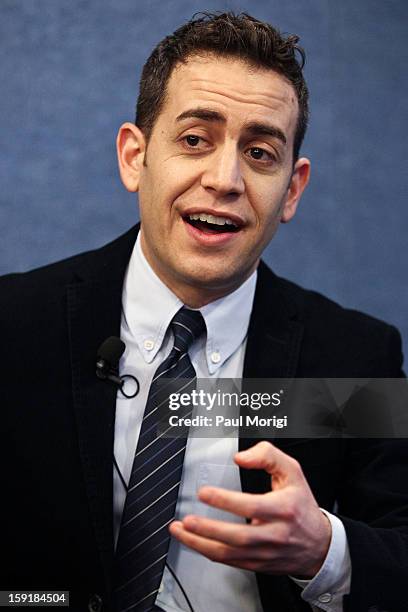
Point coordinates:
pixel 151 500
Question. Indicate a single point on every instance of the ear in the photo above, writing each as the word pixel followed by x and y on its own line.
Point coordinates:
pixel 299 180
pixel 131 149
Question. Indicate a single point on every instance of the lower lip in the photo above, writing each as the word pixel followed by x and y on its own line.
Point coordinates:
pixel 215 239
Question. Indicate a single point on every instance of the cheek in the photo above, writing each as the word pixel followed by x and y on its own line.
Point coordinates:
pixel 267 207
pixel 268 219
pixel 170 182
pixel 154 195
pixel 184 177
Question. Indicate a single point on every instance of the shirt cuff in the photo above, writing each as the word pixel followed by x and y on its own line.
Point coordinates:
pixel 325 591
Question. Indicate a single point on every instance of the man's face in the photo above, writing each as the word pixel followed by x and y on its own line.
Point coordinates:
pixel 217 175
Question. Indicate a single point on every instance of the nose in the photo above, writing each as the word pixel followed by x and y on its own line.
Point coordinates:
pixel 223 172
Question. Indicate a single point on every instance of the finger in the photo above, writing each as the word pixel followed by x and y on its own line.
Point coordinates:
pixel 264 455
pixel 216 551
pixel 213 550
pixel 233 534
pixel 264 506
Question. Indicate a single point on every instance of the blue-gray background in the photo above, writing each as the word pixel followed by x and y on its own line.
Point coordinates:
pixel 69 78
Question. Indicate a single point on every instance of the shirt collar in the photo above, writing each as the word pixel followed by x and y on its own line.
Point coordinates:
pixel 148 319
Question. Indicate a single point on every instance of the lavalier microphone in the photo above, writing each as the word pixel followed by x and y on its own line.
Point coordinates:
pixel 107 365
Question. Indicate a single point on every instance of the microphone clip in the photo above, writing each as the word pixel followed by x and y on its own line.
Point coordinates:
pixel 107 365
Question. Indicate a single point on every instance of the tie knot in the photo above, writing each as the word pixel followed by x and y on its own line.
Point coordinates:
pixel 187 325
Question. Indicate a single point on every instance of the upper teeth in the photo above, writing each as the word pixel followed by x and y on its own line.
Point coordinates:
pixel 211 219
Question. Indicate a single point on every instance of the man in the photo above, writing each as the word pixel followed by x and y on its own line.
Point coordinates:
pixel 214 156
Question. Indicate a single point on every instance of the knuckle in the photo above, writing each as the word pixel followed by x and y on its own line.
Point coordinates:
pixel 282 535
pixel 256 507
pixel 296 465
pixel 252 566
pixel 290 510
pixel 244 539
pixel 214 555
pixel 222 554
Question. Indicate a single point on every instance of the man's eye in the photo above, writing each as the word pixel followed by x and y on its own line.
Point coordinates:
pixel 192 140
pixel 260 154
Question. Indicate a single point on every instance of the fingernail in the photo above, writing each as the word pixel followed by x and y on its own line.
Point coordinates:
pixel 245 454
pixel 191 522
pixel 176 525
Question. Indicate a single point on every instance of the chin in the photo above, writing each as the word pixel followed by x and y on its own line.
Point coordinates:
pixel 210 279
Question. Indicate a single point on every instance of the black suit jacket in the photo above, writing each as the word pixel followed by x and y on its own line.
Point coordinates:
pixel 58 428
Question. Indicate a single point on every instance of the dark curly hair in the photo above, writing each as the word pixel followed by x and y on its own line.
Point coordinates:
pixel 229 35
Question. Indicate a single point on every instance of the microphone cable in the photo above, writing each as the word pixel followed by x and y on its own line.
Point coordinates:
pixel 115 463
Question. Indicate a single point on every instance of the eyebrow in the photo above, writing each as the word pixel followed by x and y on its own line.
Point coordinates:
pixel 254 128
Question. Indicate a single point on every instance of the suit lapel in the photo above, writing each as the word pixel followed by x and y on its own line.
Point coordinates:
pixel 94 313
pixel 273 345
pixel 274 336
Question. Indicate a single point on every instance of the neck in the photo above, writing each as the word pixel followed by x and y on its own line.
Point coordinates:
pixel 194 298
pixel 193 294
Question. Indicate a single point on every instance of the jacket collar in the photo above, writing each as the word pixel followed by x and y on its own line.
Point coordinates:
pixel 273 346
pixel 94 312
pixel 274 330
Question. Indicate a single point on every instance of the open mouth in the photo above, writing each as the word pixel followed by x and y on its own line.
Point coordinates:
pixel 209 224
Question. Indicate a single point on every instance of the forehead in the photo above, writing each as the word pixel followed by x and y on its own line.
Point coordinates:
pixel 237 90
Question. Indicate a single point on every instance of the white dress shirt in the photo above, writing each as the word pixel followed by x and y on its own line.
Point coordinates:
pixel 148 308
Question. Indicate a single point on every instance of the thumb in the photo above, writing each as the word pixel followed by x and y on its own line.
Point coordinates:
pixel 265 456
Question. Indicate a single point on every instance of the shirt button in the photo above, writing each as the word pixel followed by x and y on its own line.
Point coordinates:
pixel 325 598
pixel 148 344
pixel 95 603
pixel 215 357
